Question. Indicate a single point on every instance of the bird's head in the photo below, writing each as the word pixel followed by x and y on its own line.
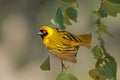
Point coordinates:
pixel 45 31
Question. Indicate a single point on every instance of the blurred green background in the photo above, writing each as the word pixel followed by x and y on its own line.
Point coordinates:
pixel 22 51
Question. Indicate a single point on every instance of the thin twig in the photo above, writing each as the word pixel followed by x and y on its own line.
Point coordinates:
pixel 63 66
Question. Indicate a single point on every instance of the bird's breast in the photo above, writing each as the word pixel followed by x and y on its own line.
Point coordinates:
pixel 46 41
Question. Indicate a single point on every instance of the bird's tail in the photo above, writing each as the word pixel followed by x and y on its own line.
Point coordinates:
pixel 85 40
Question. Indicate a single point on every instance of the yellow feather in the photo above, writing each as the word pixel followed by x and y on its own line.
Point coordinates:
pixel 63 44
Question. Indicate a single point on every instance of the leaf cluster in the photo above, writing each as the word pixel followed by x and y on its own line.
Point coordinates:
pixel 64 17
pixel 108 7
pixel 106 66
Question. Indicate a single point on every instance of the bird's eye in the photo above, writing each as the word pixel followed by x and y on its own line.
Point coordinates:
pixel 44 32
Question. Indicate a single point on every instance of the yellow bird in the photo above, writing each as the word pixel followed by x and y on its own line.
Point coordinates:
pixel 63 44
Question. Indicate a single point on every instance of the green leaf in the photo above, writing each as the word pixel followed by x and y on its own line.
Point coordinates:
pixel 75 5
pixel 71 13
pixel 46 64
pixel 67 21
pixel 97 52
pixel 102 43
pixel 59 19
pixel 115 1
pixel 68 1
pixel 107 67
pixel 98 13
pixel 95 75
pixel 66 76
pixel 111 9
pixel 53 21
pixel 103 29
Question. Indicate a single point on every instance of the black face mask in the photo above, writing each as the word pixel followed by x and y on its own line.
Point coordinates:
pixel 43 33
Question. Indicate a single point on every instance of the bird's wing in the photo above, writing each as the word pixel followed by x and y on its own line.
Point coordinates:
pixel 69 39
